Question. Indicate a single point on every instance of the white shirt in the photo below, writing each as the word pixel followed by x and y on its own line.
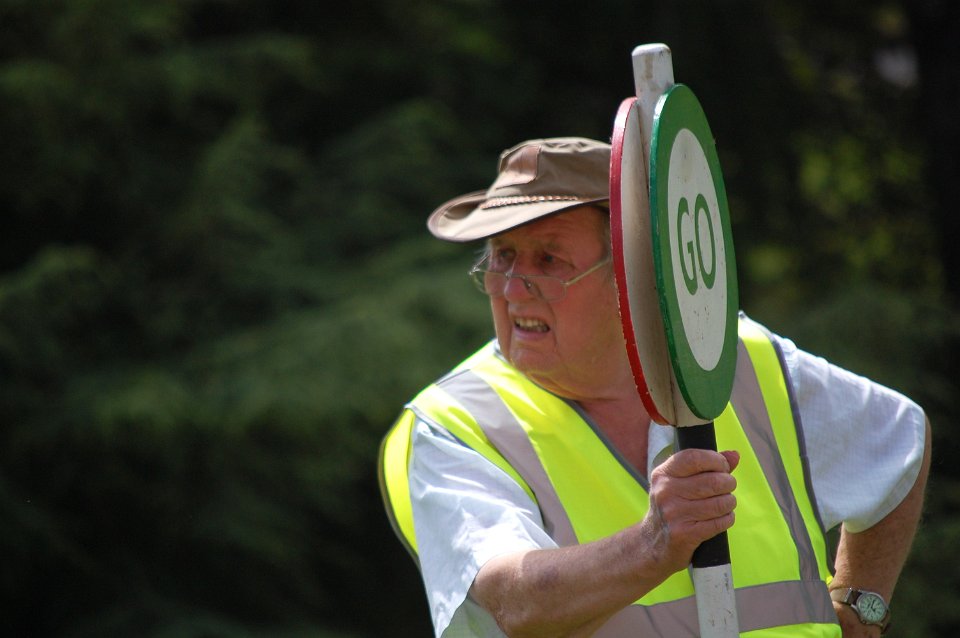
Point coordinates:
pixel 865 444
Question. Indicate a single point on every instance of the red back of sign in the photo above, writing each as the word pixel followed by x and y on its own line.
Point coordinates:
pixel 671 391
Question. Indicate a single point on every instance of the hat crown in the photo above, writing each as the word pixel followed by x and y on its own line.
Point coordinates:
pixel 564 166
pixel 535 178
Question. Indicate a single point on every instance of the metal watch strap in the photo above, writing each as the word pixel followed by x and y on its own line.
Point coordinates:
pixel 849 596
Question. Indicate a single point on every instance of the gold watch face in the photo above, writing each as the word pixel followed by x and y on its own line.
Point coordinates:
pixel 871 607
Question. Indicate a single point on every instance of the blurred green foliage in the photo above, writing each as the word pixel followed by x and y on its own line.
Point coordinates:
pixel 216 290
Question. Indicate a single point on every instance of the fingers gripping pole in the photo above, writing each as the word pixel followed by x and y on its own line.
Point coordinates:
pixel 712 575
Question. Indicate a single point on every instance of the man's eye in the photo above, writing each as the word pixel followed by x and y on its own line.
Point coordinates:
pixel 551 261
pixel 553 265
pixel 501 258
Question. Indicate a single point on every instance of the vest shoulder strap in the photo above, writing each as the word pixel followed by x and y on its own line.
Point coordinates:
pixel 394 456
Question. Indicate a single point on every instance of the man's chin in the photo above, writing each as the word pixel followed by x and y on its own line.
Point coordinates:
pixel 533 366
pixel 527 362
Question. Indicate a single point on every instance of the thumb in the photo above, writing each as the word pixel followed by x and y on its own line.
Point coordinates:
pixel 733 458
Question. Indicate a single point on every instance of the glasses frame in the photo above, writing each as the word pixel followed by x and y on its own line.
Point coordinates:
pixel 478 274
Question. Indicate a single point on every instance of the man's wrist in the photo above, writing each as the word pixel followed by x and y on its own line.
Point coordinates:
pixel 850 624
pixel 860 612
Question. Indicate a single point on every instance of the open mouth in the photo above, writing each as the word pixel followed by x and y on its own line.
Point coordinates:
pixel 530 325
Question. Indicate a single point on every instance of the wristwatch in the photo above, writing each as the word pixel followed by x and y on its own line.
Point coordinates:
pixel 869 606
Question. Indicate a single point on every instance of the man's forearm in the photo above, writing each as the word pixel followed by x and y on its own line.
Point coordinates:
pixel 569 591
pixel 572 591
pixel 872 559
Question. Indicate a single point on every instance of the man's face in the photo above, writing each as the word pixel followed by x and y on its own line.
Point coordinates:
pixel 572 346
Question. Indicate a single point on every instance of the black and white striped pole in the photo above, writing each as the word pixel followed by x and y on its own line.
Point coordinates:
pixel 676 280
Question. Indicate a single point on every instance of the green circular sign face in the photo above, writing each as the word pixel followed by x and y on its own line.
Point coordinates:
pixel 693 253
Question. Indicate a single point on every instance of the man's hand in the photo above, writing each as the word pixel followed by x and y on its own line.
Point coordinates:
pixel 691 500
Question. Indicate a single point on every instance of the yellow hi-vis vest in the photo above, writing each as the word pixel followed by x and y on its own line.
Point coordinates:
pixel 586 492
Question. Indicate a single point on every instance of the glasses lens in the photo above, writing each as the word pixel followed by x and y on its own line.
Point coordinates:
pixel 479 280
pixel 549 288
pixel 489 283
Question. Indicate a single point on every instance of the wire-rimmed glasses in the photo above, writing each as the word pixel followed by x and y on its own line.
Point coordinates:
pixel 546 287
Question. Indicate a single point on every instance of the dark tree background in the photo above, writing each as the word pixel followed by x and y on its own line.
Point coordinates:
pixel 216 288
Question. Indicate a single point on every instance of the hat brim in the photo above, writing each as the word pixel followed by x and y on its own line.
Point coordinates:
pixel 461 219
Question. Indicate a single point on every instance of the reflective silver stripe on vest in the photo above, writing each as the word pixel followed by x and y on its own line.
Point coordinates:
pixel 749 406
pixel 758 607
pixel 795 409
pixel 508 436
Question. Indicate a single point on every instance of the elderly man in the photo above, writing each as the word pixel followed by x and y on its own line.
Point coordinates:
pixel 541 500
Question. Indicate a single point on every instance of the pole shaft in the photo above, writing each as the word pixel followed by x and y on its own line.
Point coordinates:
pixel 712 575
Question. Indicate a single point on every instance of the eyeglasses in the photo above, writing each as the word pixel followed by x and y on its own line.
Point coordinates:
pixel 494 282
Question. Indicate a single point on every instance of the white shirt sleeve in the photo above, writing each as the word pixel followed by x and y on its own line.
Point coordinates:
pixel 466 510
pixel 864 441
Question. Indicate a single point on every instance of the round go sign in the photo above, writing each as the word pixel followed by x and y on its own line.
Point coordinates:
pixel 693 252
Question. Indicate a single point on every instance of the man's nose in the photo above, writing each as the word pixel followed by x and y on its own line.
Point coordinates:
pixel 517 288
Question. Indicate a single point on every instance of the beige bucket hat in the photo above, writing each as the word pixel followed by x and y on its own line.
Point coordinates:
pixel 534 179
